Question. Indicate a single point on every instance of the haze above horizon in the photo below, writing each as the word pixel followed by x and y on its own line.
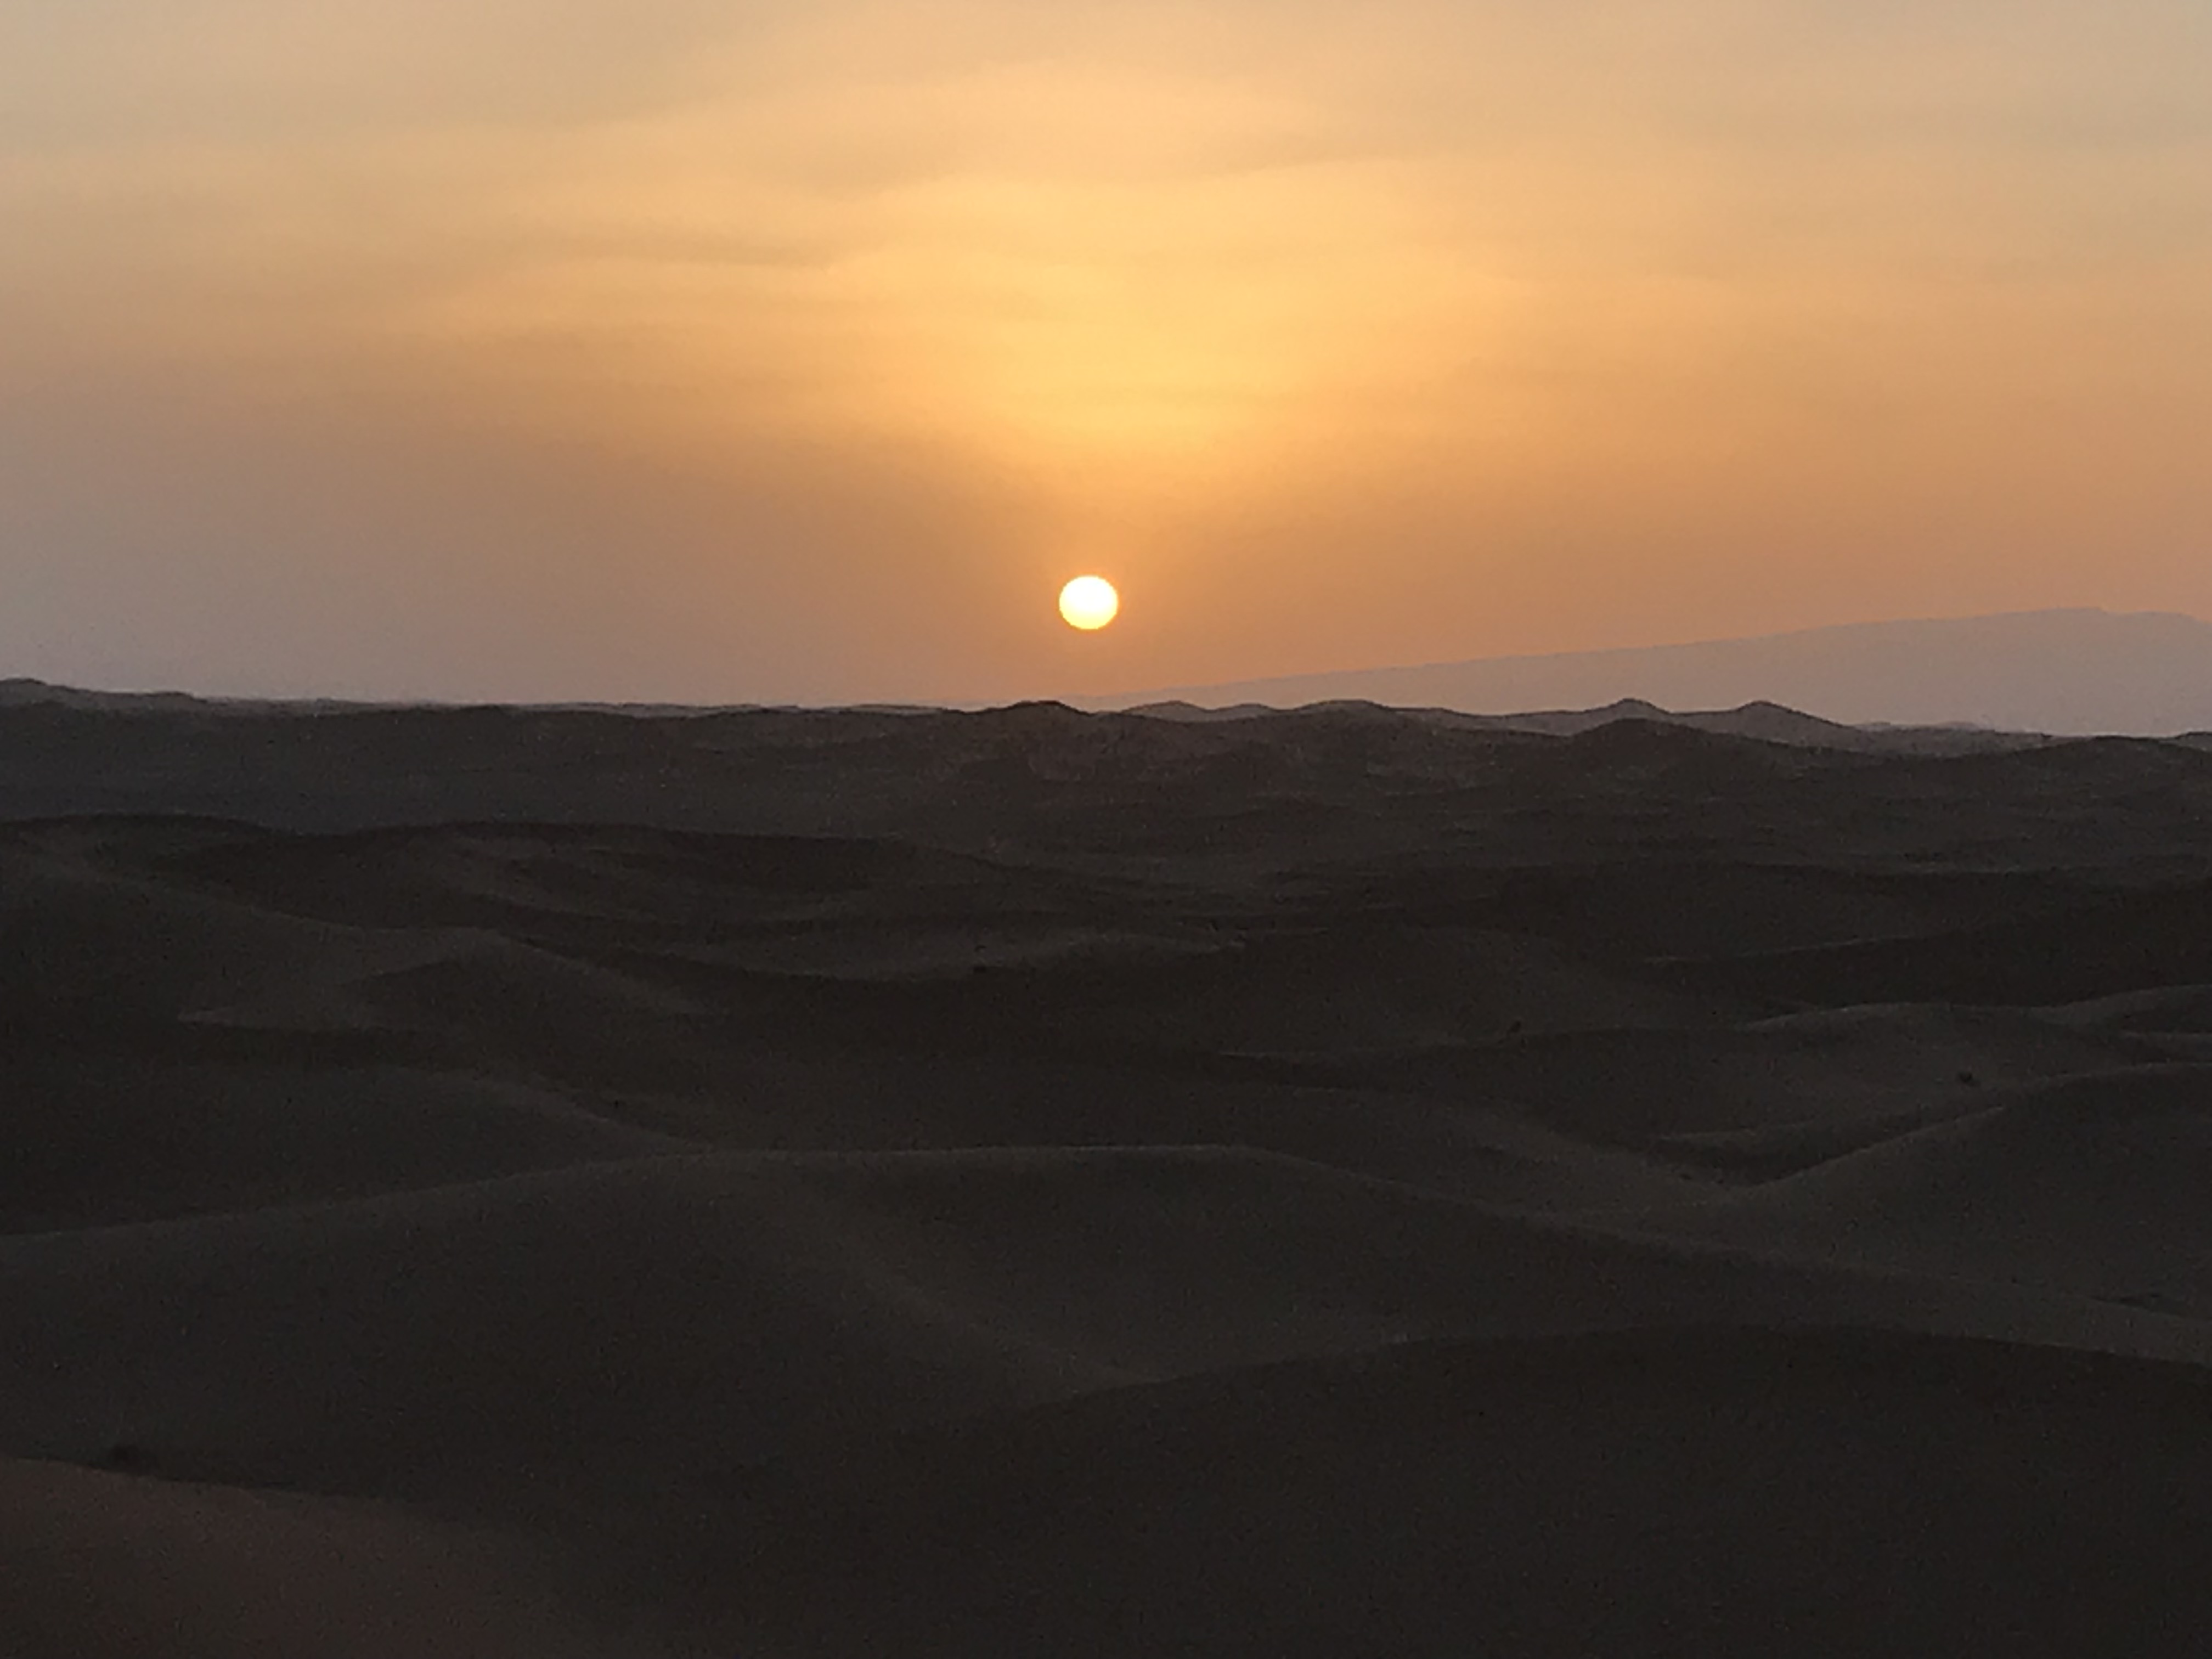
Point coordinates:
pixel 550 349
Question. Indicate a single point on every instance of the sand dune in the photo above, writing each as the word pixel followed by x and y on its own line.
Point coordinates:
pixel 1681 1493
pixel 2084 1184
pixel 872 1183
pixel 103 1566
pixel 112 1140
pixel 620 1328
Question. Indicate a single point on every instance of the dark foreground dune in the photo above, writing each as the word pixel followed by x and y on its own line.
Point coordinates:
pixel 1341 1184
pixel 106 1565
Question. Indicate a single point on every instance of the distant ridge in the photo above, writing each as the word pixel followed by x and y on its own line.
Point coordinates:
pixel 1768 722
pixel 24 693
pixel 2078 672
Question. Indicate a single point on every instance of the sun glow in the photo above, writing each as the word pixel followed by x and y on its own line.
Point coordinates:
pixel 1089 603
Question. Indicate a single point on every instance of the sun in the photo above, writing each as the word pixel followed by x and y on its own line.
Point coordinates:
pixel 1089 603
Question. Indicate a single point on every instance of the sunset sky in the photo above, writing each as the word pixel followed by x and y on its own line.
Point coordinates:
pixel 762 350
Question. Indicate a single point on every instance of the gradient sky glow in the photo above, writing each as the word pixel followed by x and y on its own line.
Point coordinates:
pixel 766 350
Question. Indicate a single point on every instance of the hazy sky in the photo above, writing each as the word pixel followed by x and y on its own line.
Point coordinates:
pixel 778 350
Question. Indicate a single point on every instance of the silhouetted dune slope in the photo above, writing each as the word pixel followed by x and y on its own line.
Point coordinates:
pixel 97 1564
pixel 1695 1492
pixel 1044 780
pixel 2093 1184
pixel 2164 1009
pixel 2115 943
pixel 1836 1069
pixel 97 1140
pixel 904 1183
pixel 604 1326
pixel 623 1329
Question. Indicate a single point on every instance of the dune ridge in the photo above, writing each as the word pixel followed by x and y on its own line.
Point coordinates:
pixel 2078 671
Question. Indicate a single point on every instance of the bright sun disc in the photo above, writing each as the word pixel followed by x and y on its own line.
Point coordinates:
pixel 1088 602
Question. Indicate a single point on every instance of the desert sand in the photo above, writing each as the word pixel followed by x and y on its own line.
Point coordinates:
pixel 1350 1183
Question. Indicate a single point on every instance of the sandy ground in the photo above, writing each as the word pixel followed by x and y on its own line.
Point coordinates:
pixel 1342 1183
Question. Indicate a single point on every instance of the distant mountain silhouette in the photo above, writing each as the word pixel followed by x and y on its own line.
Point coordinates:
pixel 1768 722
pixel 20 693
pixel 2067 672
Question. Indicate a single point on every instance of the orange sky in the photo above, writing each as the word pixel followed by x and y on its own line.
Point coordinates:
pixel 670 349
